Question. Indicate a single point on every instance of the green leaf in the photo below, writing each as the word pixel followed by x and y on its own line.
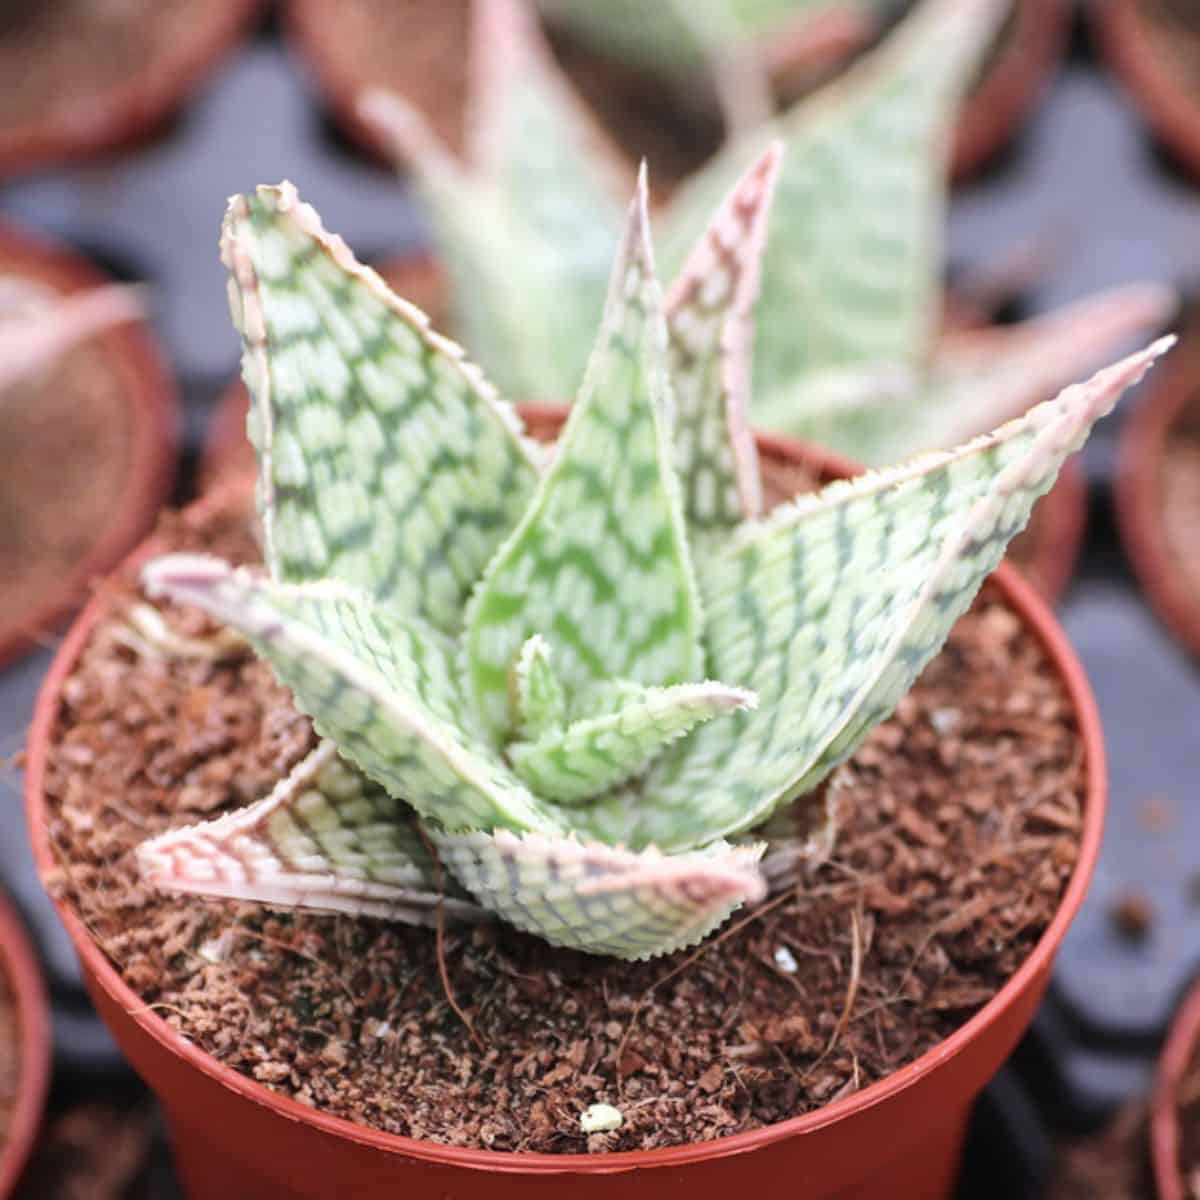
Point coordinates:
pixel 384 688
pixel 385 459
pixel 710 341
pixel 541 703
pixel 831 607
pixel 595 754
pixel 601 899
pixel 528 227
pixel 599 565
pixel 978 379
pixel 326 839
pixel 852 277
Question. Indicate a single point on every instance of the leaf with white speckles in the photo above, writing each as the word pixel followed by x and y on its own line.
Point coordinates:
pixel 595 754
pixel 599 566
pixel 831 607
pixel 602 899
pixel 384 688
pixel 326 840
pixel 385 460
pixel 709 328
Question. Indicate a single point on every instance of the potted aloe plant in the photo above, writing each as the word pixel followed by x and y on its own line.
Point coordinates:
pixel 855 246
pixel 87 416
pixel 573 707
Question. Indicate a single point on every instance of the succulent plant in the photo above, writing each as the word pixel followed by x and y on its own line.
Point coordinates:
pixel 37 325
pixel 579 682
pixel 848 350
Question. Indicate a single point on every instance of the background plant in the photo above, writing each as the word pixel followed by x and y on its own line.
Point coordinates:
pixel 849 350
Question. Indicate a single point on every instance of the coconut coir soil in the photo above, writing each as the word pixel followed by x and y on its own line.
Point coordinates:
pixel 961 819
pixel 1173 27
pixel 10 1055
pixel 1115 1165
pixel 65 444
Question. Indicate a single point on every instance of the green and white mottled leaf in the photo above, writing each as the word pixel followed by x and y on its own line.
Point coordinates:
pixel 541 703
pixel 978 379
pixel 599 565
pixel 710 342
pixel 528 226
pixel 385 459
pixel 37 324
pixel 326 840
pixel 386 689
pixel 852 276
pixel 602 899
pixel 595 754
pixel 831 607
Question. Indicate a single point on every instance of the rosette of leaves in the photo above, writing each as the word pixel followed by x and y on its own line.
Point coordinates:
pixel 571 685
pixel 849 349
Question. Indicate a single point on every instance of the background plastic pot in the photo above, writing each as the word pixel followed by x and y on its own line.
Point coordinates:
pixel 139 105
pixel 1013 82
pixel 153 423
pixel 1139 501
pixel 23 978
pixel 1177 1054
pixel 899 1137
pixel 1163 99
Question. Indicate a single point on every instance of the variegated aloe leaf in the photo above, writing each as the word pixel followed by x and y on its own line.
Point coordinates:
pixel 977 380
pixel 37 325
pixel 831 607
pixel 596 754
pixel 385 459
pixel 386 689
pixel 528 225
pixel 326 839
pixel 852 277
pixel 538 698
pixel 599 565
pixel 601 898
pixel 710 343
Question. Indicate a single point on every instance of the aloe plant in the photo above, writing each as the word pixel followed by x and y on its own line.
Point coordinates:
pixel 577 683
pixel 848 349
pixel 37 325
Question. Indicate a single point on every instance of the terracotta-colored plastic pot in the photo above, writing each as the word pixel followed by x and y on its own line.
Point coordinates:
pixel 1163 99
pixel 140 105
pixel 900 1137
pixel 227 451
pixel 1176 1057
pixel 1139 501
pixel 1013 83
pixel 23 979
pixel 154 422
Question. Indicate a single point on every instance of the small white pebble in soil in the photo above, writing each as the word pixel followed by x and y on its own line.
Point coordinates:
pixel 217 949
pixel 945 720
pixel 600 1118
pixel 785 960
